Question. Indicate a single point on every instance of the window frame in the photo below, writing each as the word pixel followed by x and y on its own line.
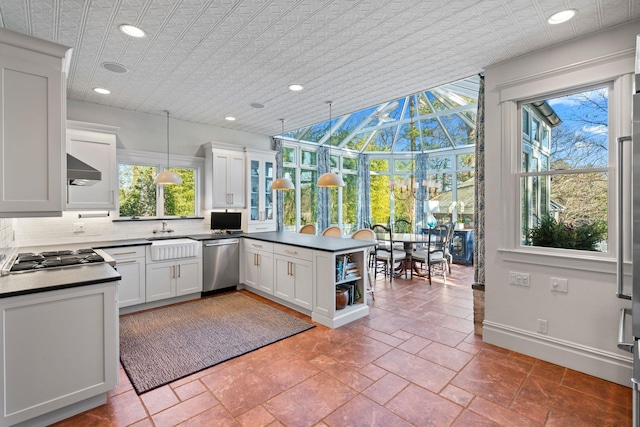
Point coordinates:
pixel 159 160
pixel 571 79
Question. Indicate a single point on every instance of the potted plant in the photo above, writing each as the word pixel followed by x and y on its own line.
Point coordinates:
pixel 556 234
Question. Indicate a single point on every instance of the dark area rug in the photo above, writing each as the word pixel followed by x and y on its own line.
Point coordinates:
pixel 162 345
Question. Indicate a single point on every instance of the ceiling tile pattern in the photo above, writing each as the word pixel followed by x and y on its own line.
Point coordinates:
pixel 207 59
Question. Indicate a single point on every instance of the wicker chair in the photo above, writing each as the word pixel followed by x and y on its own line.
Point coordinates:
pixel 308 229
pixel 369 235
pixel 332 231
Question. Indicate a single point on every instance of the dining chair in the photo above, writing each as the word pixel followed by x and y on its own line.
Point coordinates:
pixel 447 249
pixel 386 257
pixel 433 255
pixel 401 226
pixel 308 229
pixel 369 235
pixel 332 231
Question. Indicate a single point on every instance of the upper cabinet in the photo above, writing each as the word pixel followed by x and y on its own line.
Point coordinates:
pixel 95 146
pixel 224 176
pixel 261 167
pixel 32 125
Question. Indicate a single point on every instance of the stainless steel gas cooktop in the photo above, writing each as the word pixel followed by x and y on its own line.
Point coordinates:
pixel 31 261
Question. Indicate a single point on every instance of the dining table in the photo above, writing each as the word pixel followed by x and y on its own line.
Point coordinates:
pixel 409 240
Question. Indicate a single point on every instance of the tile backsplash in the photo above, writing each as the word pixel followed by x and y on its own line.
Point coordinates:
pixel 6 236
pixel 60 230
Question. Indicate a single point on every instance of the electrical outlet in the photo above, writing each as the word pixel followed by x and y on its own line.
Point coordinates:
pixel 78 227
pixel 542 326
pixel 559 285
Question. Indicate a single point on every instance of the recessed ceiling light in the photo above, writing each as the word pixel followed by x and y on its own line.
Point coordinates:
pixel 101 90
pixel 295 87
pixel 257 105
pixel 229 118
pixel 114 68
pixel 563 16
pixel 132 30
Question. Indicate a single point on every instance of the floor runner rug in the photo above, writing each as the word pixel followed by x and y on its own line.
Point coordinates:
pixel 162 345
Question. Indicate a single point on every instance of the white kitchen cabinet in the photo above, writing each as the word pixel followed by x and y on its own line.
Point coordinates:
pixel 257 265
pixel 131 264
pixel 167 279
pixel 95 145
pixel 32 126
pixel 59 350
pixel 293 275
pixel 261 167
pixel 224 176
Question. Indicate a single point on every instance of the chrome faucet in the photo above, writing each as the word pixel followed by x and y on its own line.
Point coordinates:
pixel 164 229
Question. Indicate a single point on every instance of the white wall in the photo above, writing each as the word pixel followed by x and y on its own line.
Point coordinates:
pixel 582 324
pixel 148 132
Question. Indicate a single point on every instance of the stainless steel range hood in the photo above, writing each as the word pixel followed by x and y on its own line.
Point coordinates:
pixel 80 173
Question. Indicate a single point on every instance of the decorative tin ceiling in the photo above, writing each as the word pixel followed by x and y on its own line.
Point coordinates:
pixel 205 60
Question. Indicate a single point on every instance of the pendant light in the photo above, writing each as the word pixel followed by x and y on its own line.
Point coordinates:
pixel 330 179
pixel 283 183
pixel 166 177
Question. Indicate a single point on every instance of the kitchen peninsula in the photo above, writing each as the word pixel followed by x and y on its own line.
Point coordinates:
pixel 303 272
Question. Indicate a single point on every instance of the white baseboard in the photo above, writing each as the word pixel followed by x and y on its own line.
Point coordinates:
pixel 602 364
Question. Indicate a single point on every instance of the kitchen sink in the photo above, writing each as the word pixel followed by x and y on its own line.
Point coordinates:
pixel 167 237
pixel 174 248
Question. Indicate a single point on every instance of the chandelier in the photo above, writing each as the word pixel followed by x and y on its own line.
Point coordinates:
pixel 410 188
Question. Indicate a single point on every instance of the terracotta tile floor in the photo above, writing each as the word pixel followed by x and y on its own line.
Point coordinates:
pixel 414 361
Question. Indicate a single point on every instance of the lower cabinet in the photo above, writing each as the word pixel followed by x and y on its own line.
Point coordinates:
pixel 130 262
pixel 307 279
pixel 293 275
pixel 59 350
pixel 258 265
pixel 167 279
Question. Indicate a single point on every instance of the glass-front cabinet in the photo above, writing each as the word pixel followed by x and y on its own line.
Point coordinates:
pixel 261 214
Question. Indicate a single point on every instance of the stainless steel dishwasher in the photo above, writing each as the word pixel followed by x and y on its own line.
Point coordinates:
pixel 221 264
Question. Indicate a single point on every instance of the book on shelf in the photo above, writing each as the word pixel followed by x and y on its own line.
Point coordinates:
pixel 346 268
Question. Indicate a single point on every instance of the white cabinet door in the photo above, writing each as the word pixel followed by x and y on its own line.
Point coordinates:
pixel 236 180
pixel 260 197
pixel 95 145
pixel 251 268
pixel 265 272
pixel 59 348
pixel 132 289
pixel 32 123
pixel 225 179
pixel 257 265
pixel 188 276
pixel 161 280
pixel 284 284
pixel 303 284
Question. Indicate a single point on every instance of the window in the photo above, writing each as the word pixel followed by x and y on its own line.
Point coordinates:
pixel 139 197
pixel 564 176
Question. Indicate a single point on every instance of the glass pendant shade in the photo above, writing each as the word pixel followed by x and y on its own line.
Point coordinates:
pixel 282 184
pixel 330 180
pixel 167 177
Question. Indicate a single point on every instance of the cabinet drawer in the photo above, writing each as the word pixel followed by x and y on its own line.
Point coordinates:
pixel 258 245
pixel 293 251
pixel 126 252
